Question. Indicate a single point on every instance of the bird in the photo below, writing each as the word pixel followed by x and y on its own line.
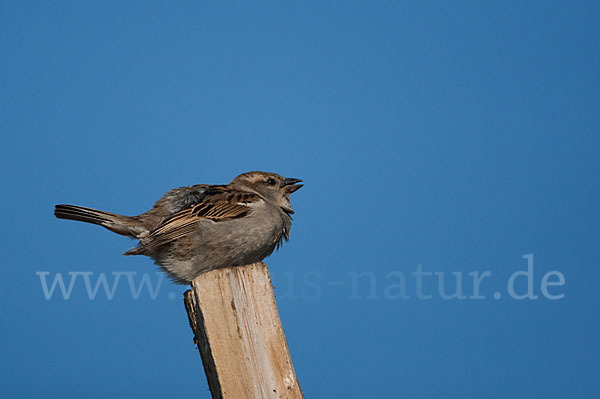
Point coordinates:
pixel 194 229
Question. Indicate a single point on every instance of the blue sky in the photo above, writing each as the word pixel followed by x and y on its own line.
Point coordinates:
pixel 459 136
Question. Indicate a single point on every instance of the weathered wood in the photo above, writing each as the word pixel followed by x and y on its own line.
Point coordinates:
pixel 236 326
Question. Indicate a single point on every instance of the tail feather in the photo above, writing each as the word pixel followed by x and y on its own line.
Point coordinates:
pixel 80 213
pixel 139 250
pixel 117 223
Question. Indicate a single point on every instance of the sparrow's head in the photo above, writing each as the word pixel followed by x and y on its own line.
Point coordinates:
pixel 271 186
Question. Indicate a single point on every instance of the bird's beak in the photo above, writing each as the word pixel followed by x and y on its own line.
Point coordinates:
pixel 290 185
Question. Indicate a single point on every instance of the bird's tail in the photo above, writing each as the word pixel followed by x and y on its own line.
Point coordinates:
pixel 119 224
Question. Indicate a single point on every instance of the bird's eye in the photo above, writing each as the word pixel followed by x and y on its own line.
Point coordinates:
pixel 271 181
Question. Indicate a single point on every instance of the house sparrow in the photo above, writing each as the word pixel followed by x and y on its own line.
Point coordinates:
pixel 194 229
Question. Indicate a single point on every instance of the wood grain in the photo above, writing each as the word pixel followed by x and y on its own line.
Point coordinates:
pixel 236 324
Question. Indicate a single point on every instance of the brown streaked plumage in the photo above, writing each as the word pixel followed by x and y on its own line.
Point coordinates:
pixel 198 228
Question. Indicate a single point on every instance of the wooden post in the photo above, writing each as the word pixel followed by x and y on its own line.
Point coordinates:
pixel 236 325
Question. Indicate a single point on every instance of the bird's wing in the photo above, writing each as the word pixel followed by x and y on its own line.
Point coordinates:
pixel 180 198
pixel 217 203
